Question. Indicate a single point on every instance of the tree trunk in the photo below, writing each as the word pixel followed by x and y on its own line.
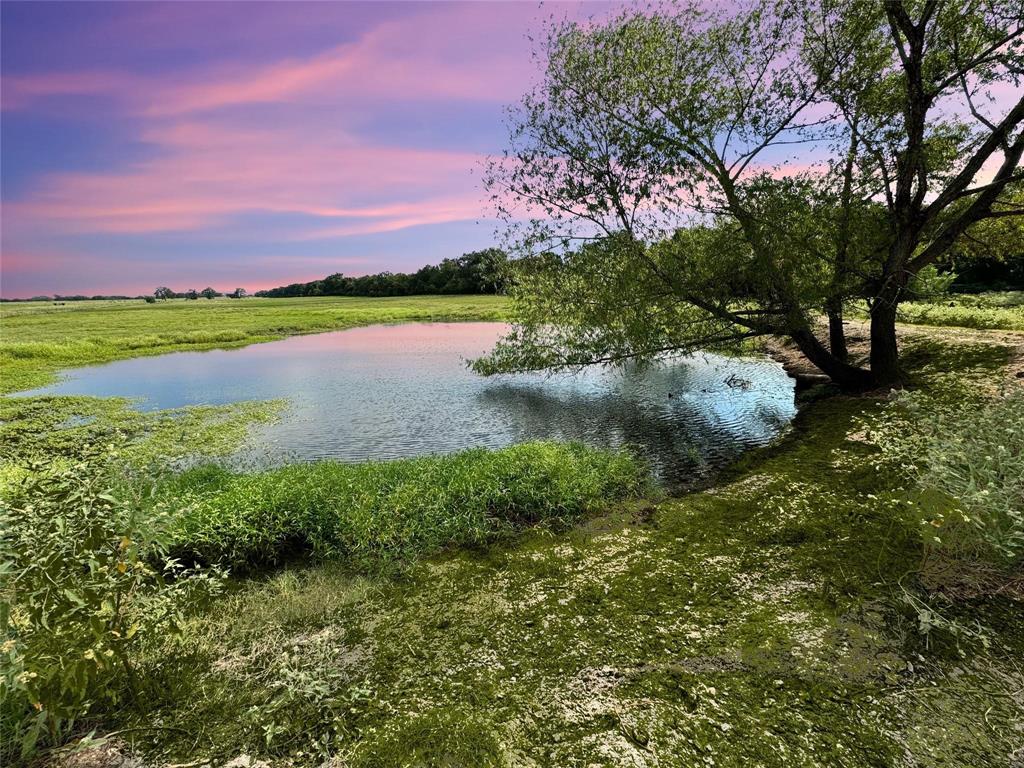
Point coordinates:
pixel 848 377
pixel 885 368
pixel 836 334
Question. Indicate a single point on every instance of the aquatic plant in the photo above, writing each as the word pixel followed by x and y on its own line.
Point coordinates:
pixel 378 515
pixel 967 462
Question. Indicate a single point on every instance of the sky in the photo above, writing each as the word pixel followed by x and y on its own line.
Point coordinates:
pixel 243 144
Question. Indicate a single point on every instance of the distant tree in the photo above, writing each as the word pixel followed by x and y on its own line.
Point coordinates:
pixel 209 293
pixel 191 294
pixel 163 293
pixel 149 299
pixel 480 272
pixel 238 293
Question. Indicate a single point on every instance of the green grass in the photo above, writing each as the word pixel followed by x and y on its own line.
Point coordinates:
pixel 83 548
pixel 380 515
pixel 954 313
pixel 775 620
pixel 781 618
pixel 1001 310
pixel 37 339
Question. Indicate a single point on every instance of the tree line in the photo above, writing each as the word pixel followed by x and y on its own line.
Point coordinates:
pixel 163 293
pixel 479 272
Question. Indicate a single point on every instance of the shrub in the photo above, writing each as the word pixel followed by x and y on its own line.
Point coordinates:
pixel 983 318
pixel 79 596
pixel 381 514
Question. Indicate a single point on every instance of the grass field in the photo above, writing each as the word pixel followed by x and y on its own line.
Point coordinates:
pixel 776 620
pixel 798 614
pixel 984 312
pixel 1002 310
pixel 37 339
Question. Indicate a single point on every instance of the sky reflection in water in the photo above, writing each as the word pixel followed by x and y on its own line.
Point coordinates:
pixel 385 392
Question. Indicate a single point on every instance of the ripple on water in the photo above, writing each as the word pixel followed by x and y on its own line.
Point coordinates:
pixel 384 392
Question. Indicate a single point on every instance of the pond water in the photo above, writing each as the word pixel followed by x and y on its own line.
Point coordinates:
pixel 384 392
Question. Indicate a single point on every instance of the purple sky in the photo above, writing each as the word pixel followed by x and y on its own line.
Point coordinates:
pixel 250 144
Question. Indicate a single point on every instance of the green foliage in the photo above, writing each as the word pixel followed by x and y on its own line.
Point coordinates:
pixel 967 460
pixel 637 173
pixel 379 515
pixel 997 240
pixel 929 283
pixel 962 315
pixel 1003 310
pixel 80 596
pixel 479 272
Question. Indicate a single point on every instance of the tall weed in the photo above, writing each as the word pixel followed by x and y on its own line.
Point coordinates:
pixel 79 595
pixel 379 515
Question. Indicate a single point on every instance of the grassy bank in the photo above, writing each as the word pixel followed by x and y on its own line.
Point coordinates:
pixel 40 338
pixel 379 515
pixel 797 615
pixel 98 565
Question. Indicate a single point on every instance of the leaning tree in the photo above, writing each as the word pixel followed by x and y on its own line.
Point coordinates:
pixel 682 178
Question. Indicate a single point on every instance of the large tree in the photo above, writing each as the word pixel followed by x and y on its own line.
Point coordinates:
pixel 692 178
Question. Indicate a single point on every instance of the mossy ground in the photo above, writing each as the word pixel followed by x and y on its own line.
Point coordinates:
pixel 777 619
pixel 771 621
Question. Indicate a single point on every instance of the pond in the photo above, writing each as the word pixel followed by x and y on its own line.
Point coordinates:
pixel 393 391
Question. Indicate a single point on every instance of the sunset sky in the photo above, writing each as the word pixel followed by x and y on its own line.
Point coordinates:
pixel 250 144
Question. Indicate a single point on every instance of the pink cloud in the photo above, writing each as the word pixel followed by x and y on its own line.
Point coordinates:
pixel 21 91
pixel 420 56
pixel 209 166
pixel 232 146
pixel 205 173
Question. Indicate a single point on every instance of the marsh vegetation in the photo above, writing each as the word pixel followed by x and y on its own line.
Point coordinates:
pixel 295 613
pixel 849 593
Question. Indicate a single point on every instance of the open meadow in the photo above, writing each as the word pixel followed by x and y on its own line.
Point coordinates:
pixel 542 600
pixel 40 338
pixel 591 385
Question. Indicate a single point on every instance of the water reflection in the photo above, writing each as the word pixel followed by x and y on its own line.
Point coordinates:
pixel 393 391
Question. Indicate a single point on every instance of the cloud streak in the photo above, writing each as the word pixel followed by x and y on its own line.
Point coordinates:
pixel 229 146
pixel 202 174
